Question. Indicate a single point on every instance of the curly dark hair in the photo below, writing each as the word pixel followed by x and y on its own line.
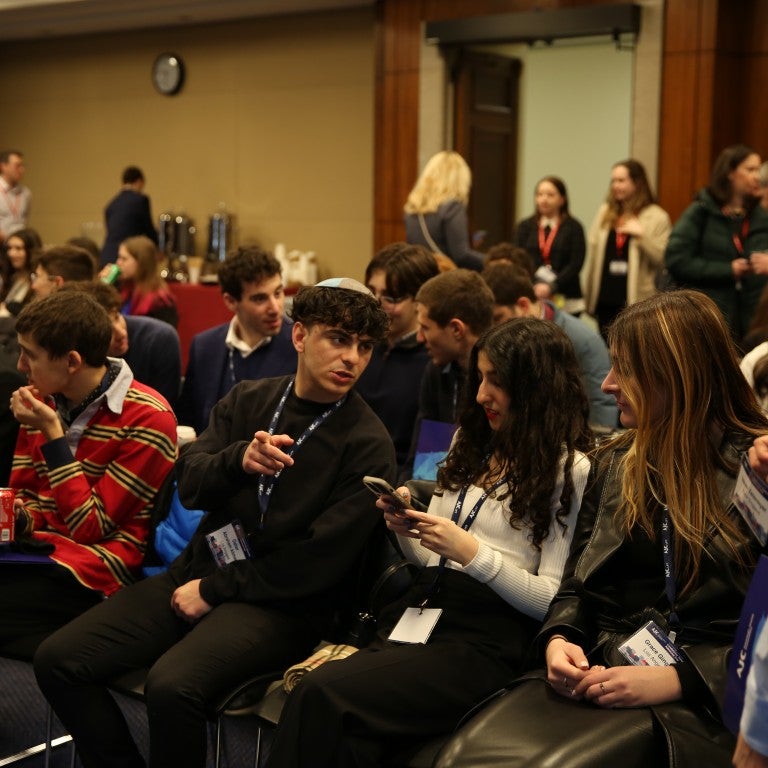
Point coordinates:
pixel 247 264
pixel 350 310
pixel 548 412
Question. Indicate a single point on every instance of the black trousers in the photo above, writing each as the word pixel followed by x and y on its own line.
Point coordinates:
pixel 190 666
pixel 36 599
pixel 362 710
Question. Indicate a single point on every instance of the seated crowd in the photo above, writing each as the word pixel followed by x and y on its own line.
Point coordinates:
pixel 542 551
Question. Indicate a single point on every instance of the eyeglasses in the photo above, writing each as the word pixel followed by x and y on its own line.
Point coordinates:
pixel 390 301
pixel 35 276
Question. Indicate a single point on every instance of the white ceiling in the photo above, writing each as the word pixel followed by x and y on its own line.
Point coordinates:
pixel 32 19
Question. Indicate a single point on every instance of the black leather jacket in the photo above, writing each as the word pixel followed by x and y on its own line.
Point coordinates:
pixel 709 612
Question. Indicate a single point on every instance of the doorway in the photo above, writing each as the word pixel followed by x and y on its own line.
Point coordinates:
pixel 486 96
pixel 574 119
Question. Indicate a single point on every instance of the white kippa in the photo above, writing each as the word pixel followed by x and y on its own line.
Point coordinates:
pixel 344 282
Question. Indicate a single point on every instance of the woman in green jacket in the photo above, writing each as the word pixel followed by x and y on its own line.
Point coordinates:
pixel 716 246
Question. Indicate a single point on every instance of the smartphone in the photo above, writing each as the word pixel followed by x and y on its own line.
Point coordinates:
pixel 378 486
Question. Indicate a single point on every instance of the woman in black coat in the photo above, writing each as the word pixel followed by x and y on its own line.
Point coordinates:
pixel 658 540
pixel 555 242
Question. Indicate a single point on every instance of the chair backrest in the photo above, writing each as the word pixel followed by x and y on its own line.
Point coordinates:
pixel 382 575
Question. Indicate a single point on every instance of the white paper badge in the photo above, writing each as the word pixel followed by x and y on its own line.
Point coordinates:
pixel 415 625
pixel 618 268
pixel 546 274
pixel 750 497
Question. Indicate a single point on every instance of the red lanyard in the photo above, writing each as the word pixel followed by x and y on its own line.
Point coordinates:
pixel 739 239
pixel 621 239
pixel 545 243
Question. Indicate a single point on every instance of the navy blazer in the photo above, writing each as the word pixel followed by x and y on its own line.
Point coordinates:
pixel 127 214
pixel 212 372
pixel 154 355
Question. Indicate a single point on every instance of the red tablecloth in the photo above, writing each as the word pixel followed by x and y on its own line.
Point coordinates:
pixel 200 307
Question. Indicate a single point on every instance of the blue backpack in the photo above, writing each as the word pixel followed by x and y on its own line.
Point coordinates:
pixel 171 534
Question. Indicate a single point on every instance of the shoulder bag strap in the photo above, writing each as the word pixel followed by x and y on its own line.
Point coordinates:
pixel 427 236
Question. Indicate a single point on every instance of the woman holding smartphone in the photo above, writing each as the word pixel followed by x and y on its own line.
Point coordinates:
pixel 492 547
pixel 658 540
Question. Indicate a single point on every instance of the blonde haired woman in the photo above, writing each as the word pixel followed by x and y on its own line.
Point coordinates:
pixel 142 290
pixel 625 245
pixel 436 210
pixel 658 539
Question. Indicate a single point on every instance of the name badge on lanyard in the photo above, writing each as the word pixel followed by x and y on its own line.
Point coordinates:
pixel 618 268
pixel 228 544
pixel 546 274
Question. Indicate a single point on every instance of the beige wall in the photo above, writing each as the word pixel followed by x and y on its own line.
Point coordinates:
pixel 275 120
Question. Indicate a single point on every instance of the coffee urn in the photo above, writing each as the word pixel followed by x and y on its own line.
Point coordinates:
pixel 222 231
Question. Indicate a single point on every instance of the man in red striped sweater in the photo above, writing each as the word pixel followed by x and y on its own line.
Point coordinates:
pixel 93 449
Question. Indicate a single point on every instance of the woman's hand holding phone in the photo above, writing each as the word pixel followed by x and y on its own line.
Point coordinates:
pixel 394 503
pixel 436 534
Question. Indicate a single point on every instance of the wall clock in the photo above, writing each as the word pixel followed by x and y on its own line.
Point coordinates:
pixel 168 73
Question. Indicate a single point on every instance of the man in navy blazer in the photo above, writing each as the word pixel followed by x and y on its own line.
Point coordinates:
pixel 127 214
pixel 255 344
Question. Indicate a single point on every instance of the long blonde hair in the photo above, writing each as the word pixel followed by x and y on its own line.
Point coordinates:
pixel 446 176
pixel 677 368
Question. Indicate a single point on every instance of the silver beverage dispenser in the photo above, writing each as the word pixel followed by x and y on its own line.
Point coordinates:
pixel 177 243
pixel 222 231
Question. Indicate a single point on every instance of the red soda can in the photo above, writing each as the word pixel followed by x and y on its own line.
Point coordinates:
pixel 7 515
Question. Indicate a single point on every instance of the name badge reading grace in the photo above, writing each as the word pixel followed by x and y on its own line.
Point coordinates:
pixel 228 544
pixel 415 625
pixel 650 647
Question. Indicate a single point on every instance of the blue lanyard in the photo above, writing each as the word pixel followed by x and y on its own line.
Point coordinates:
pixel 669 573
pixel 466 525
pixel 267 482
pixel 232 367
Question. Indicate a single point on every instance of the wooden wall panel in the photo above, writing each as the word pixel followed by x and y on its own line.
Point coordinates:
pixel 396 116
pixel 714 72
pixel 757 40
pixel 752 41
pixel 756 104
pixel 729 106
pixel 681 26
pixel 680 135
pixel 686 141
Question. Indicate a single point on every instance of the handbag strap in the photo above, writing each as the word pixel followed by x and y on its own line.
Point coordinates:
pixel 427 236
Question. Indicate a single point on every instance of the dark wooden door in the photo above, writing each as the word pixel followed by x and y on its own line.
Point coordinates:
pixel 485 133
